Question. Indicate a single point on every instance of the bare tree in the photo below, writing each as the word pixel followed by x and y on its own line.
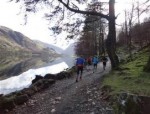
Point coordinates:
pixel 132 27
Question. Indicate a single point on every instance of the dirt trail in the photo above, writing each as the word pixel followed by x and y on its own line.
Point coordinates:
pixel 68 97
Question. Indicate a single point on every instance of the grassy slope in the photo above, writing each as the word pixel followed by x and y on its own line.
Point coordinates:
pixel 8 41
pixel 6 45
pixel 131 77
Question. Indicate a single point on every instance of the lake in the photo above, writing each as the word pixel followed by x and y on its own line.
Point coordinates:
pixel 16 73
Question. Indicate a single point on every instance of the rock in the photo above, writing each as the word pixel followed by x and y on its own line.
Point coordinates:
pixel 109 109
pixel 50 76
pixel 47 83
pixel 38 77
pixel 145 104
pixel 92 113
pixel 6 104
pixel 93 103
pixel 127 105
pixel 29 91
pixel 31 103
pixel 54 102
pixel 94 88
pixel 88 92
pixel 21 99
pixel 58 98
pixel 53 110
pixel 89 100
pixel 43 84
pixel 62 75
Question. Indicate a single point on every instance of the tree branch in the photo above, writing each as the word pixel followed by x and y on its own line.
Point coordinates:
pixel 75 6
pixel 84 12
pixel 117 16
pixel 68 2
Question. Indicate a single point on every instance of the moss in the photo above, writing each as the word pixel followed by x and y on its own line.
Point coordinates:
pixel 130 77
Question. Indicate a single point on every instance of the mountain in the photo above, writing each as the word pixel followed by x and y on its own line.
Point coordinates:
pixel 52 47
pixel 68 51
pixel 13 41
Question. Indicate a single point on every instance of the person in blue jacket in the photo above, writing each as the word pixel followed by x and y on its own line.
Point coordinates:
pixel 79 64
pixel 95 62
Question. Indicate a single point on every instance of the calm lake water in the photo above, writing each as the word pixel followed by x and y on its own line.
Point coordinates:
pixel 16 74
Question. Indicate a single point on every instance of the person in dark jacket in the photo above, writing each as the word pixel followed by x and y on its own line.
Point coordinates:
pixel 104 60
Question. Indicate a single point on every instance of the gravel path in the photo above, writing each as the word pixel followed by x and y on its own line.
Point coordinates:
pixel 68 97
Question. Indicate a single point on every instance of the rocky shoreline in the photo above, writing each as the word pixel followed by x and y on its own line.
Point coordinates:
pixel 8 102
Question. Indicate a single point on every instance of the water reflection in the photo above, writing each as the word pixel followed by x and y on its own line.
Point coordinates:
pixel 15 66
pixel 24 79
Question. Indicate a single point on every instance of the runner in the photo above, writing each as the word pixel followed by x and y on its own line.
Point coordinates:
pixel 89 63
pixel 104 60
pixel 79 63
pixel 95 62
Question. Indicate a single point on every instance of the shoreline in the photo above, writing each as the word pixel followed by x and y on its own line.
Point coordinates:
pixel 9 101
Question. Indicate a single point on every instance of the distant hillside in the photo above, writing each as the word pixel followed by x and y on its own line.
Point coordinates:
pixel 68 51
pixel 12 41
pixel 52 47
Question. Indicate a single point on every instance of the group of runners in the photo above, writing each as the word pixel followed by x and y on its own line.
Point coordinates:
pixel 86 63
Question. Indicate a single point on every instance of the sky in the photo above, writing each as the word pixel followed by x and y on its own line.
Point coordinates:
pixel 37 26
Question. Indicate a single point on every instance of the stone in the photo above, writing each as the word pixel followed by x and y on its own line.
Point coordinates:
pixel 53 110
pixel 58 98
pixel 93 103
pixel 92 113
pixel 50 76
pixel 63 75
pixel 21 99
pixel 144 104
pixel 6 104
pixel 89 100
pixel 29 91
pixel 38 77
pixel 43 84
pixel 88 92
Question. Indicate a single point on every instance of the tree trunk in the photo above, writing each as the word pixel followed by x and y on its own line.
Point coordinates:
pixel 111 40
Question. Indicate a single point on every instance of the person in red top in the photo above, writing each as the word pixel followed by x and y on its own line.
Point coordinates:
pixel 79 63
pixel 89 60
pixel 89 63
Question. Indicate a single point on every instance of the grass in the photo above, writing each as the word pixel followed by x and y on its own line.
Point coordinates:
pixel 131 77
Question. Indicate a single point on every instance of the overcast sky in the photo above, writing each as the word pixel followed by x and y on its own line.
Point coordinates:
pixel 37 27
